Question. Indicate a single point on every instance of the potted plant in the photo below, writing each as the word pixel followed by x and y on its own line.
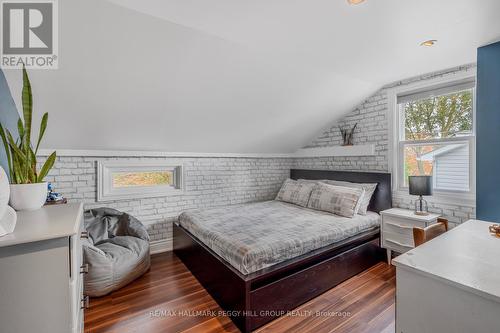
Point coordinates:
pixel 28 191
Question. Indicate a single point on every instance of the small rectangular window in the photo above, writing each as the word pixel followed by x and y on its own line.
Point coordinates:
pixel 137 179
pixel 143 178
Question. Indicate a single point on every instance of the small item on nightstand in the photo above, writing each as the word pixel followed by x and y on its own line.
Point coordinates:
pixel 53 197
pixel 495 229
pixel 420 185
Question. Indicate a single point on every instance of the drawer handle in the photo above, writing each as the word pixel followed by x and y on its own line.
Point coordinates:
pixel 84 269
pixel 84 234
pixel 85 303
pixel 399 225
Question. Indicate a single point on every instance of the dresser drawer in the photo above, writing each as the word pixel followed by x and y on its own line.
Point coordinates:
pixel 395 245
pixel 402 222
pixel 76 281
pixel 397 228
pixel 79 308
pixel 404 237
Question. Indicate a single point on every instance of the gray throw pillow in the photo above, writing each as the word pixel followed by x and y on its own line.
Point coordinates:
pixel 295 192
pixel 368 187
pixel 339 200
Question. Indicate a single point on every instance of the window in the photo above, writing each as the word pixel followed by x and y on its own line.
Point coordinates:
pixel 137 179
pixel 143 178
pixel 436 136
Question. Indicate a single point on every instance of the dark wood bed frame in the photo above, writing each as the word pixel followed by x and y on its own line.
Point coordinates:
pixel 255 299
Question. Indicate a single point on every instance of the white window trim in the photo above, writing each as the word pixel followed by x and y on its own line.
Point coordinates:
pixel 106 192
pixel 451 197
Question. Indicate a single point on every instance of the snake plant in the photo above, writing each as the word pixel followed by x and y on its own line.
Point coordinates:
pixel 21 158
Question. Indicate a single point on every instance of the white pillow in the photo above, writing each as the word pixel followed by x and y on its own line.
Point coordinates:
pixel 295 192
pixel 339 200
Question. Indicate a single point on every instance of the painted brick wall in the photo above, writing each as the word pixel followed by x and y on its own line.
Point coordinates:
pixel 371 117
pixel 373 128
pixel 209 182
pixel 214 182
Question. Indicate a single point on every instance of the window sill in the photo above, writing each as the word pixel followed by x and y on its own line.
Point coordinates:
pixel 138 195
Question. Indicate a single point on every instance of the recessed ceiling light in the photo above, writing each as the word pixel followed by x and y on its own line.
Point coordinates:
pixel 429 42
pixel 355 2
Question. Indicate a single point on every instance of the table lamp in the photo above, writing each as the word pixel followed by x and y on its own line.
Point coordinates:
pixel 420 185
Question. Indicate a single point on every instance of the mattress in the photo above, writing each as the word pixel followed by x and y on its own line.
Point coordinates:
pixel 258 235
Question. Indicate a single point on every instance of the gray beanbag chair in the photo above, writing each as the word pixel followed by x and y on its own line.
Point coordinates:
pixel 117 250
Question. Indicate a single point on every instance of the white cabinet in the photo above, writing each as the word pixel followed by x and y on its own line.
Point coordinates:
pixel 40 281
pixel 397 229
pixel 450 284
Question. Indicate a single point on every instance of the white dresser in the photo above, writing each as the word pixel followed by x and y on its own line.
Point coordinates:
pixel 41 281
pixel 397 229
pixel 450 284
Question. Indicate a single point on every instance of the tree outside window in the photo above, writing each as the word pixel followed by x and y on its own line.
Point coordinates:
pixel 433 118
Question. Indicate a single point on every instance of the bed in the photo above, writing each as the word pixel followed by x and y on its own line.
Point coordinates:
pixel 252 261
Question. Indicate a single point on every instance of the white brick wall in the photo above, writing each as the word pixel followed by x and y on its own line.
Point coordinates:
pixel 209 182
pixel 214 182
pixel 455 213
pixel 373 127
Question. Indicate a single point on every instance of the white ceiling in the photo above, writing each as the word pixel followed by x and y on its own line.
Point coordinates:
pixel 238 76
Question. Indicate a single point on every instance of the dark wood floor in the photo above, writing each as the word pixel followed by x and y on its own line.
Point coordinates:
pixel 169 299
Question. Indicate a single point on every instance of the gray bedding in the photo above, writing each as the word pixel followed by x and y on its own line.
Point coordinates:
pixel 258 235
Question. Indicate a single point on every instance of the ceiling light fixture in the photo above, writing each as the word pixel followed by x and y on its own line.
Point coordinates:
pixel 429 42
pixel 355 2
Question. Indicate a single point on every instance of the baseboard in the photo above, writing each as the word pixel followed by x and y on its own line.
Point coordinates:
pixel 159 246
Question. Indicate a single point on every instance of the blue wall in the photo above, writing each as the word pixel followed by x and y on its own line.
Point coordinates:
pixel 8 115
pixel 488 133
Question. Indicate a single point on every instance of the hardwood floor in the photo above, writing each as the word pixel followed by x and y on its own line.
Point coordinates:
pixel 169 299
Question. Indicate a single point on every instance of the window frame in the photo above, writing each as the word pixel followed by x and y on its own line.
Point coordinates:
pixel 403 143
pixel 106 191
pixel 396 142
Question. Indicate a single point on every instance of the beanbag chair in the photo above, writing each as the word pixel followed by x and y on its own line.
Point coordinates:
pixel 116 251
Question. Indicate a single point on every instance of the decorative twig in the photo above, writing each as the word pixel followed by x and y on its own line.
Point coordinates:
pixel 347 135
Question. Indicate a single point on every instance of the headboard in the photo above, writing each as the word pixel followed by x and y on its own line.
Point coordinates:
pixel 381 199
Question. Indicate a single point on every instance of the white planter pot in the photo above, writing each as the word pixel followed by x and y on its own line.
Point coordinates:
pixel 28 196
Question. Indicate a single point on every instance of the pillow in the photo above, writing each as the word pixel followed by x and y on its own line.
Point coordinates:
pixel 324 181
pixel 368 187
pixel 339 200
pixel 309 181
pixel 295 192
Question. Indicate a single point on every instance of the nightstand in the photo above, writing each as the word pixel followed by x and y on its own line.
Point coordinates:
pixel 397 229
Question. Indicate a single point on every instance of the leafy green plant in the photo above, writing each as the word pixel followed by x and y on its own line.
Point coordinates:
pixel 20 155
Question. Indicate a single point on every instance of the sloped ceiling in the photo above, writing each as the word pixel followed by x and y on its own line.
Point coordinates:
pixel 258 76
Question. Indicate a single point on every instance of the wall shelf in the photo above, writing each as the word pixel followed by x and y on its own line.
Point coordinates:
pixel 356 150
